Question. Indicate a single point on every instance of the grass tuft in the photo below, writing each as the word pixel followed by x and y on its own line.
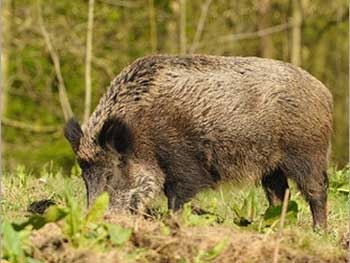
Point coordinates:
pixel 222 225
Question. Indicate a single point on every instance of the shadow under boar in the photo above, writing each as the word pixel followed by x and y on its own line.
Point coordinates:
pixel 180 124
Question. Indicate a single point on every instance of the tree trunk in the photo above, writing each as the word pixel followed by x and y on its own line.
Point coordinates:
pixel 297 20
pixel 5 37
pixel 172 27
pixel 266 45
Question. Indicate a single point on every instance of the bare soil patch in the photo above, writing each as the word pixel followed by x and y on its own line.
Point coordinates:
pixel 168 242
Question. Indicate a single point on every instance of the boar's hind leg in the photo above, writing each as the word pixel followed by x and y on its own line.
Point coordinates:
pixel 312 180
pixel 314 188
pixel 275 185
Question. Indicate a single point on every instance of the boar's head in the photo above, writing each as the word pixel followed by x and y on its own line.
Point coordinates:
pixel 109 164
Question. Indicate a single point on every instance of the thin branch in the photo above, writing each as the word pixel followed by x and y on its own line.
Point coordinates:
pixel 153 26
pixel 100 63
pixel 182 27
pixel 256 34
pixel 279 233
pixel 251 35
pixel 28 127
pixel 90 27
pixel 200 26
pixel 66 108
pixel 75 49
pixel 128 4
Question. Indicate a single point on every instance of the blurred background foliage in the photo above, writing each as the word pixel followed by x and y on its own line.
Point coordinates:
pixel 312 34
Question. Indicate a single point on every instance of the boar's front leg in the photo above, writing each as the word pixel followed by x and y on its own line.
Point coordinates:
pixel 275 185
pixel 177 194
pixel 180 191
pixel 184 178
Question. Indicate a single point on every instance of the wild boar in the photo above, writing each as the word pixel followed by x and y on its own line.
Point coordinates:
pixel 180 124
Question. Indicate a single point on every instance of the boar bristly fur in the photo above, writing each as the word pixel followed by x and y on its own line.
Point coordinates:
pixel 180 124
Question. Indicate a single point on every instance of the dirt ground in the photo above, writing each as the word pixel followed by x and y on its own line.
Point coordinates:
pixel 150 243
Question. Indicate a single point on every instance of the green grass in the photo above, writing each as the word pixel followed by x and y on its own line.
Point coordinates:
pixel 227 208
pixel 22 187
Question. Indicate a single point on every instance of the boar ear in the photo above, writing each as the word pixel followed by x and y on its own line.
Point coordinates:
pixel 116 135
pixel 73 133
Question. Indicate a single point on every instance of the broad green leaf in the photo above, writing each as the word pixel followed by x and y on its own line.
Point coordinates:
pixel 136 255
pixel 248 211
pixel 216 250
pixel 343 190
pixel 236 210
pixel 37 221
pixel 212 253
pixel 200 220
pixel 118 234
pixel 74 218
pixel 32 260
pixel 191 219
pixel 274 213
pixel 98 209
pixel 53 214
pixel 11 244
pixel 251 211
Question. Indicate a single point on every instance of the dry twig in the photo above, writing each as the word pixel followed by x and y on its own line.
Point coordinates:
pixel 279 233
pixel 153 26
pixel 88 57
pixel 200 26
pixel 123 3
pixel 66 108
pixel 251 35
pixel 28 127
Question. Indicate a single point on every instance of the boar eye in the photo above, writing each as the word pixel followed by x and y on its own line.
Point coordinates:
pixel 116 135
